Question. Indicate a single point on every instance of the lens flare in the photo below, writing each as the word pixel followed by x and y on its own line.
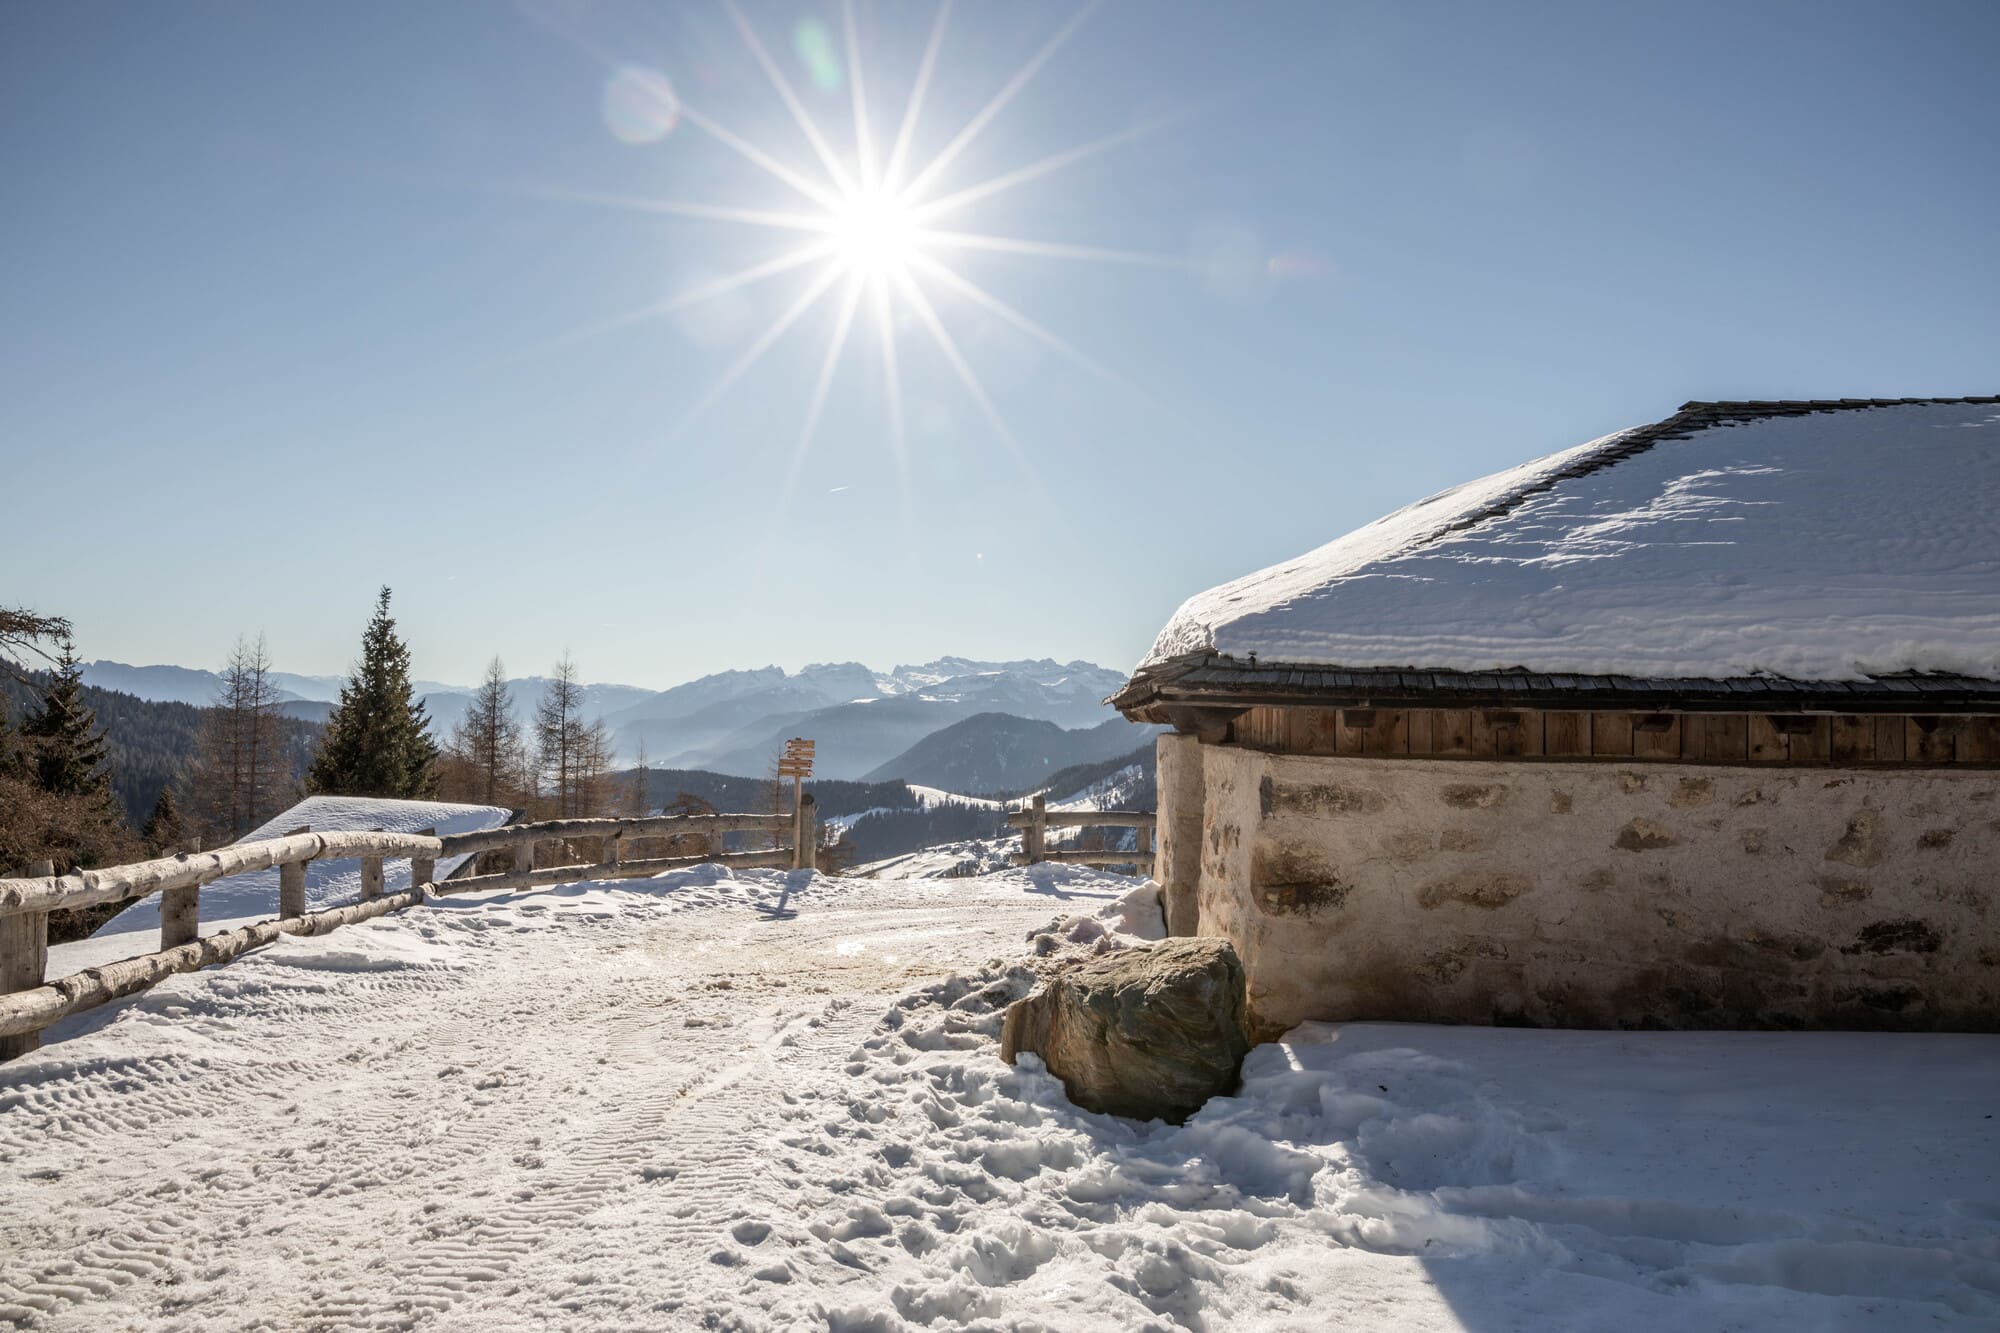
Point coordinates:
pixel 640 106
pixel 812 43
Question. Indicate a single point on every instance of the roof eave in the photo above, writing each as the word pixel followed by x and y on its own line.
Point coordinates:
pixel 1210 682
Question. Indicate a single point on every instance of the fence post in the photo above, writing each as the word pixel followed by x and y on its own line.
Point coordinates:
pixel 371 877
pixel 423 869
pixel 799 799
pixel 1038 829
pixel 524 856
pixel 292 882
pixel 612 853
pixel 24 957
pixel 180 910
pixel 806 854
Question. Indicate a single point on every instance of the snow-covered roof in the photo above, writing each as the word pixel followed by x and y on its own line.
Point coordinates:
pixel 1821 541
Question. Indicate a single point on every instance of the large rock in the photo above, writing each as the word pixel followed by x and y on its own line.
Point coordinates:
pixel 1148 1033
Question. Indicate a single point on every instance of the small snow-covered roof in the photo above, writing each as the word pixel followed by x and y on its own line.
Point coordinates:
pixel 253 896
pixel 1809 541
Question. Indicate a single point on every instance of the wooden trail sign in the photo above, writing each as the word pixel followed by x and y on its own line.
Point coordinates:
pixel 797 764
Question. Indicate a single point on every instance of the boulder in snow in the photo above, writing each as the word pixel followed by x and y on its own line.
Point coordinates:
pixel 1149 1033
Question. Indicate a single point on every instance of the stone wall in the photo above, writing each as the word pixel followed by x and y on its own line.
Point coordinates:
pixel 1603 895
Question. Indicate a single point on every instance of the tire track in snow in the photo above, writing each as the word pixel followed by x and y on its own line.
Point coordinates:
pixel 97 1107
pixel 555 1107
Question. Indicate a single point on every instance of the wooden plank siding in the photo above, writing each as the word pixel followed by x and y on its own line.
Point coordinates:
pixel 1913 740
pixel 1566 735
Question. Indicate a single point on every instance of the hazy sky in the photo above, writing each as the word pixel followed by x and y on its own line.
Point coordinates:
pixel 302 299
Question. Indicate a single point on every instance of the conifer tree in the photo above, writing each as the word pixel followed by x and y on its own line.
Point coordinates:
pixel 21 635
pixel 573 753
pixel 639 795
pixel 377 741
pixel 238 778
pixel 487 741
pixel 68 751
pixel 165 831
pixel 11 763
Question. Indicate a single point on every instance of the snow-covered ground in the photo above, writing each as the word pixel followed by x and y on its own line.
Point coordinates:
pixel 1114 792
pixel 773 1100
pixel 243 899
pixel 946 860
pixel 929 796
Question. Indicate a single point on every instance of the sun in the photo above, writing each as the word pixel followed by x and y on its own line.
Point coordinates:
pixel 874 234
pixel 878 233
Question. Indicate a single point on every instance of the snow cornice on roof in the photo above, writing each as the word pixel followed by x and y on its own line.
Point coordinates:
pixel 1852 563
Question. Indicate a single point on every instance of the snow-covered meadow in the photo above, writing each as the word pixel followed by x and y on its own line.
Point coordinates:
pixel 769 1100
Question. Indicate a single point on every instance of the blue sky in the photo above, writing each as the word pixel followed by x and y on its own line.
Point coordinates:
pixel 306 299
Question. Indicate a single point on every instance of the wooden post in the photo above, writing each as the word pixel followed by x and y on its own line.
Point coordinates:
pixel 798 823
pixel 180 911
pixel 807 855
pixel 24 957
pixel 612 852
pixel 292 882
pixel 1038 829
pixel 423 869
pixel 371 877
pixel 524 856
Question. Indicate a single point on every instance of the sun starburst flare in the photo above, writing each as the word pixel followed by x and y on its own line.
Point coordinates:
pixel 879 228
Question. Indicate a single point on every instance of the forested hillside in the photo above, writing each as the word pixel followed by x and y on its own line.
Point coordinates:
pixel 1142 794
pixel 750 795
pixel 151 744
pixel 889 833
pixel 995 752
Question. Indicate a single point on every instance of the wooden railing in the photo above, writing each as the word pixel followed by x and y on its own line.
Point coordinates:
pixel 28 1003
pixel 1036 821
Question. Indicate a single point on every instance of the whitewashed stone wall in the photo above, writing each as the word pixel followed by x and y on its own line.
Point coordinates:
pixel 1603 895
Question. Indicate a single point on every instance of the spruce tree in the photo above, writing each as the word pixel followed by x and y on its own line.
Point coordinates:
pixel 377 741
pixel 68 751
pixel 165 831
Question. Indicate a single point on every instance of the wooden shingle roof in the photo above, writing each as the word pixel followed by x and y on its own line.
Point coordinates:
pixel 1210 680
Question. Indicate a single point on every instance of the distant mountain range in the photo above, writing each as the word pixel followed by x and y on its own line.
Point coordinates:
pixel 866 722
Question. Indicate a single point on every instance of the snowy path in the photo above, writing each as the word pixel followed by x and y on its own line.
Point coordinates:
pixel 770 1101
pixel 448 1113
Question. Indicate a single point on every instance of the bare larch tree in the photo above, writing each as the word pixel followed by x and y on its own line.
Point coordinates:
pixel 486 745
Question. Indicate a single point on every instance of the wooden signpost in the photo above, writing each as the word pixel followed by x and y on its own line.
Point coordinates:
pixel 797 764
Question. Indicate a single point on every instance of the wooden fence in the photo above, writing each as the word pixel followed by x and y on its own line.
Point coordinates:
pixel 1036 821
pixel 28 1003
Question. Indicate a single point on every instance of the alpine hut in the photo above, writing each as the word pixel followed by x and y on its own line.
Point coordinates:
pixel 1697 724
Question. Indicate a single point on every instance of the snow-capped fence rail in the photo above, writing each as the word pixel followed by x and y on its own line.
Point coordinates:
pixel 28 1003
pixel 1036 821
pixel 611 836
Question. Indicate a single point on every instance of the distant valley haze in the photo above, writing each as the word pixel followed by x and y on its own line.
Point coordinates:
pixel 1032 716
